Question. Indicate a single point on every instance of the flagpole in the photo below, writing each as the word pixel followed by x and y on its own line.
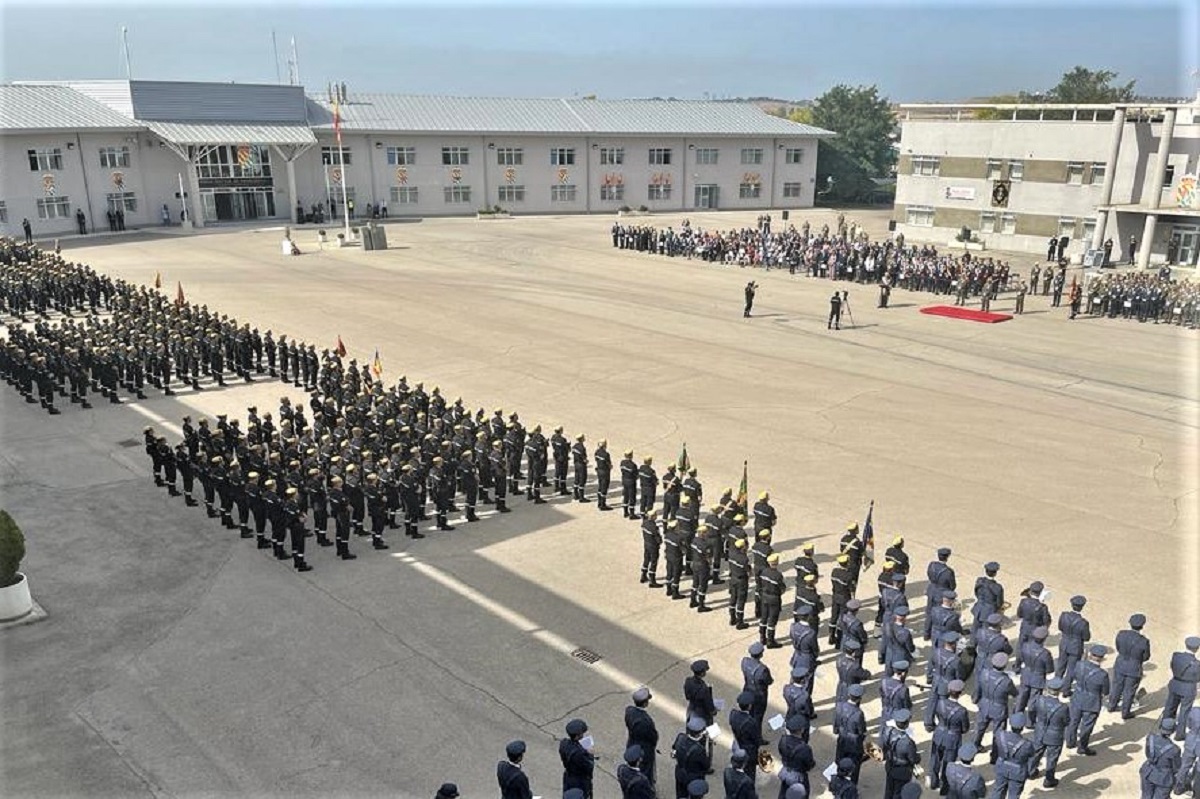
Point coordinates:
pixel 345 198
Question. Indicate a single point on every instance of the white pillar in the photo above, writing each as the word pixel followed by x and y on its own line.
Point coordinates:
pixel 196 212
pixel 291 185
pixel 1110 174
pixel 1155 188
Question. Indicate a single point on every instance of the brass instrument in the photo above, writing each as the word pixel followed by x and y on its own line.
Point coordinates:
pixel 918 771
pixel 872 750
pixel 766 761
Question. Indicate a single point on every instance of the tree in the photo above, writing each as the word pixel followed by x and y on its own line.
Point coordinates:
pixel 862 149
pixel 1082 85
pixel 12 550
pixel 803 115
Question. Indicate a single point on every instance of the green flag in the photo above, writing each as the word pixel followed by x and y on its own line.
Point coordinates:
pixel 744 489
pixel 683 464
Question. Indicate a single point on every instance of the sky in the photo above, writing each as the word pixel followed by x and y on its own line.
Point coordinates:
pixel 913 51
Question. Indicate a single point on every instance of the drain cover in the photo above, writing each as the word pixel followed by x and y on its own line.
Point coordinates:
pixel 129 443
pixel 586 655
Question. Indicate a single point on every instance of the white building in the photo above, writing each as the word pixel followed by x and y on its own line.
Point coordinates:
pixel 237 151
pixel 1029 172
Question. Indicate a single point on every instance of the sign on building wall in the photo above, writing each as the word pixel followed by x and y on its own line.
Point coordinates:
pixel 402 175
pixel 1187 193
pixel 562 174
pixel 118 180
pixel 48 184
pixel 510 175
pixel 960 193
pixel 1000 191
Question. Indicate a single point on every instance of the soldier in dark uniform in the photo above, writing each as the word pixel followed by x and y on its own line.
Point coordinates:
pixel 1181 690
pixel 578 763
pixel 603 474
pixel 1163 761
pixel 1013 756
pixel 751 288
pixel 499 464
pixel 843 592
pixel 850 727
pixel 738 784
pixel 1033 613
pixel 511 778
pixel 440 487
pixel 961 780
pixel 797 695
pixel 673 552
pixel 560 449
pixel 294 519
pixel 795 758
pixel 765 517
pixel 634 783
pixel 1076 632
pixel 236 487
pixel 747 730
pixel 629 481
pixel 739 583
pixel 651 543
pixel 1050 717
pixel 468 481
pixel 648 480
pixel 641 730
pixel 994 695
pixel 183 461
pixel 339 508
pixel 1092 686
pixel 377 510
pixel 317 498
pixel 579 462
pixel 1037 667
pixel 953 722
pixel 1133 650
pixel 989 595
pixel 535 458
pixel 773 586
pixel 672 493
pixel 692 757
pixel 835 313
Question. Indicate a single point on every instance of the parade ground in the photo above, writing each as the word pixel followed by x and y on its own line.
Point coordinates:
pixel 175 659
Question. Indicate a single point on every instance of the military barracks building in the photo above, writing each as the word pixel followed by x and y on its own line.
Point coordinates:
pixel 1017 175
pixel 239 151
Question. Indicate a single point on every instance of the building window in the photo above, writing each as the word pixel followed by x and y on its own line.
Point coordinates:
pixel 562 156
pixel 44 159
pixel 53 208
pixel 707 155
pixel 1066 227
pixel 456 156
pixel 401 156
pixel 749 191
pixel 612 193
pixel 793 155
pixel 994 169
pixel 335 198
pixel 987 222
pixel 3 212
pixel 331 157
pixel 752 155
pixel 510 156
pixel 660 191
pixel 1089 230
pixel 1169 176
pixel 1098 170
pixel 511 194
pixel 791 190
pixel 928 165
pixel 660 156
pixel 611 156
pixel 122 201
pixel 1075 173
pixel 1008 223
pixel 114 157
pixel 1016 170
pixel 457 193
pixel 404 195
pixel 919 216
pixel 562 193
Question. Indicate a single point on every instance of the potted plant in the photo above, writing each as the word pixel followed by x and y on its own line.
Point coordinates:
pixel 322 236
pixel 15 601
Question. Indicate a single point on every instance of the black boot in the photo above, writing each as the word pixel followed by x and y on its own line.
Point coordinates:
pixel 343 550
pixel 263 543
pixel 246 531
pixel 693 602
pixel 732 617
pixel 300 564
pixel 189 500
pixel 280 554
pixel 741 621
pixel 771 642
pixel 703 608
pixel 378 543
pixel 323 540
pixel 500 506
pixel 643 578
pixel 654 583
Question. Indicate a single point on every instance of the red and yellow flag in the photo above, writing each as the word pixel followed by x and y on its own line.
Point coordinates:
pixel 341 348
pixel 377 365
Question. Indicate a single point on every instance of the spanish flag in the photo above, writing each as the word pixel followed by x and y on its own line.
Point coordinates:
pixel 744 489
pixel 868 538
pixel 377 366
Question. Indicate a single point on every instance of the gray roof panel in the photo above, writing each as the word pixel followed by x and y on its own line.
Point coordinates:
pixel 45 108
pixel 403 113
pixel 199 133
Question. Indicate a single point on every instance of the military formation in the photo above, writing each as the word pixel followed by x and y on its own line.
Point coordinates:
pixel 1145 297
pixel 363 459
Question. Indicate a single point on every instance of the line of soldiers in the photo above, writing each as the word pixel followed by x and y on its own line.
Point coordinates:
pixel 1145 297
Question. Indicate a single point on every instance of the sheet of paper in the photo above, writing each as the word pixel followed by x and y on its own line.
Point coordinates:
pixel 713 730
pixel 775 722
pixel 829 773
pixel 719 704
pixel 587 742
pixel 1045 595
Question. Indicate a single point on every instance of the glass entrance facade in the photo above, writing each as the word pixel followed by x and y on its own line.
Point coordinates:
pixel 236 182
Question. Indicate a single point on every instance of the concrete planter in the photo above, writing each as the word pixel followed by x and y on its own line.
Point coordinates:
pixel 501 215
pixel 633 213
pixel 968 245
pixel 15 601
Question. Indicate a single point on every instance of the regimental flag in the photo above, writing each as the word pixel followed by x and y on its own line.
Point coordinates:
pixel 179 299
pixel 340 349
pixel 684 463
pixel 377 366
pixel 337 123
pixel 157 280
pixel 744 489
pixel 868 537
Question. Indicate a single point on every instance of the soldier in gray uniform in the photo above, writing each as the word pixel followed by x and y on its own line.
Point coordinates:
pixel 1038 665
pixel 1050 716
pixel 1188 776
pixel 1076 632
pixel 941 579
pixel 651 544
pixel 953 722
pixel 629 481
pixel 579 462
pixel 1033 613
pixel 993 699
pixel 1093 685
pixel 989 595
pixel 1133 650
pixel 1163 761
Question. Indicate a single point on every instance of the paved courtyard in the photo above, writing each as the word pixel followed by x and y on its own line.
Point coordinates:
pixel 177 660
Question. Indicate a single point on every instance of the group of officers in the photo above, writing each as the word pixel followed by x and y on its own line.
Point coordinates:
pixel 1145 297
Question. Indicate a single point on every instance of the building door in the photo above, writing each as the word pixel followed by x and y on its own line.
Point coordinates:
pixel 224 206
pixel 706 195
pixel 1185 242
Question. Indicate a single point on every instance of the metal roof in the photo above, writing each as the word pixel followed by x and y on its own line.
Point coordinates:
pixel 381 113
pixel 199 133
pixel 51 108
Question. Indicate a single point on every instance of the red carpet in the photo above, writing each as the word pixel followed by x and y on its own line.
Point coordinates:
pixel 959 312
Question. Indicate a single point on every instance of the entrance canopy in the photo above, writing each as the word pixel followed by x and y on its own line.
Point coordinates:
pixel 186 134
